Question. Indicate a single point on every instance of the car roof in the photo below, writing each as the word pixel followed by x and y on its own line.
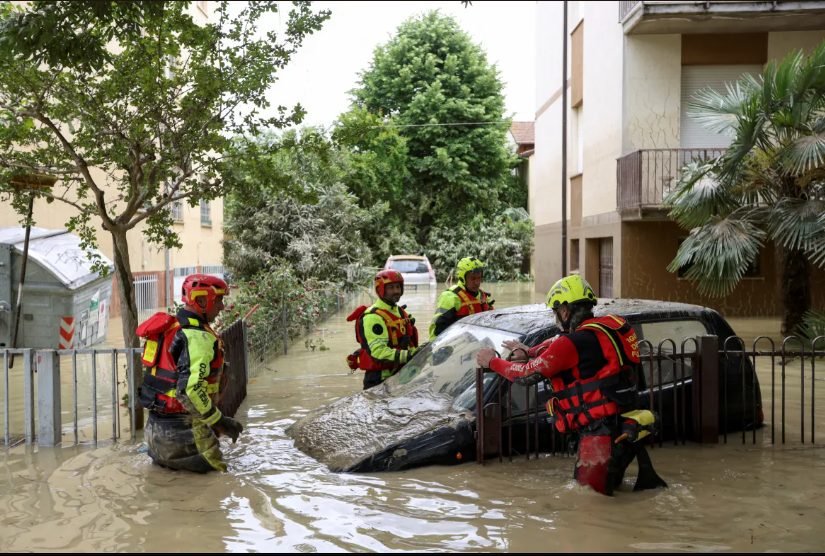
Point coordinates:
pixel 528 319
pixel 416 257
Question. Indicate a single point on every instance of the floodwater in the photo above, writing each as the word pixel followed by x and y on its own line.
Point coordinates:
pixel 110 498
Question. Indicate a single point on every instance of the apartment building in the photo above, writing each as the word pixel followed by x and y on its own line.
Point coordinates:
pixel 632 67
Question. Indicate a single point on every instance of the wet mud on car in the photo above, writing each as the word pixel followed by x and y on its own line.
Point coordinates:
pixel 425 414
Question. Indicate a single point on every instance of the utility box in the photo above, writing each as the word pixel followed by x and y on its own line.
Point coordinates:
pixel 65 305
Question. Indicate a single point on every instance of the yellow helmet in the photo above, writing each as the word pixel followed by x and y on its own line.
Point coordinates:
pixel 570 289
pixel 465 265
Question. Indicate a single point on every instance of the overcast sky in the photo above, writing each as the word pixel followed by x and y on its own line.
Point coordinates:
pixel 327 65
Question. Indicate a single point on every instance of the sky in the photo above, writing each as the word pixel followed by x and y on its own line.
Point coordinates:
pixel 328 64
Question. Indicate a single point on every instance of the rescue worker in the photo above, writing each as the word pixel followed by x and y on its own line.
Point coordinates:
pixel 385 332
pixel 465 298
pixel 591 369
pixel 183 363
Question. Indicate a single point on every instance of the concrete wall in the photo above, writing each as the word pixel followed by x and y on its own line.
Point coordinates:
pixel 647 249
pixel 651 101
pixel 780 44
pixel 601 109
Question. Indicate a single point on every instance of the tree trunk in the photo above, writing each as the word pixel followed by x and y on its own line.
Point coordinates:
pixel 129 314
pixel 796 288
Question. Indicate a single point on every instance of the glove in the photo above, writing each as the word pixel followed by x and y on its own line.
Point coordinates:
pixel 229 427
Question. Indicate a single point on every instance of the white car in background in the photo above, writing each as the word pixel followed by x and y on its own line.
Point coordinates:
pixel 416 269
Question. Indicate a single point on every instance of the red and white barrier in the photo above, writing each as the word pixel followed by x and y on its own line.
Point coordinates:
pixel 66 333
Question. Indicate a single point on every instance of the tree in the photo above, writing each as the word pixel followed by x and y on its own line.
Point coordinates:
pixel 288 206
pixel 436 89
pixel 769 185
pixel 130 105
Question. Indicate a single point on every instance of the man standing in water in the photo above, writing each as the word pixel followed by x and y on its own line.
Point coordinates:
pixel 183 362
pixel 385 332
pixel 590 368
pixel 465 298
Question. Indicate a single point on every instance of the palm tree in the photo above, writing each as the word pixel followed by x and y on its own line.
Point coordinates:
pixel 768 186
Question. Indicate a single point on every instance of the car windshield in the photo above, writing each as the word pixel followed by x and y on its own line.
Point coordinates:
pixel 409 265
pixel 448 363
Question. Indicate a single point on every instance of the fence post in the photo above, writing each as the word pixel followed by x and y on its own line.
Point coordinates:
pixel 706 392
pixel 28 394
pixel 49 423
pixel 284 329
pixel 480 415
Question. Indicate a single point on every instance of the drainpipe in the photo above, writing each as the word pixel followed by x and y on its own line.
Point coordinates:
pixel 564 144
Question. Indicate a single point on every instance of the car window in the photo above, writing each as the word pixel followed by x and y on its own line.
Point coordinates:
pixel 448 363
pixel 676 330
pixel 409 265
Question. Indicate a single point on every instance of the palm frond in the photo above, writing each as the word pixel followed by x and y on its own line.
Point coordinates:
pixel 697 196
pixel 798 224
pixel 803 154
pixel 718 254
pixel 813 325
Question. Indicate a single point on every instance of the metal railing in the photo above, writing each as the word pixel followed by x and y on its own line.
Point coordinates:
pixel 645 177
pixel 66 397
pixel 701 392
pixel 146 292
pixel 625 7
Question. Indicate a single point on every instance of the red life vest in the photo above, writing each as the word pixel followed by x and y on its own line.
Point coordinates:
pixel 471 304
pixel 160 373
pixel 401 331
pixel 588 393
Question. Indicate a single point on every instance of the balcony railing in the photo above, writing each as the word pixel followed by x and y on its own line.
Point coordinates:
pixel 625 7
pixel 645 177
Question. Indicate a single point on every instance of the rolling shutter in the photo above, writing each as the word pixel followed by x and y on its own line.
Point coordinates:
pixel 694 78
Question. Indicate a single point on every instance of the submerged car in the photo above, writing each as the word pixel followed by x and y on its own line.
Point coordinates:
pixel 416 269
pixel 425 414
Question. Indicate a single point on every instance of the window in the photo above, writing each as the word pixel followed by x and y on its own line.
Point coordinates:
pixel 177 211
pixel 671 367
pixel 206 214
pixel 574 255
pixel 693 134
pixel 606 267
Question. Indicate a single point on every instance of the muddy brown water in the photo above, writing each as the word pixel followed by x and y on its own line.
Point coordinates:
pixel 109 498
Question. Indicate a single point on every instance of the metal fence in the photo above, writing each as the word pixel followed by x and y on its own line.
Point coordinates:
pixel 71 397
pixel 146 293
pixel 701 392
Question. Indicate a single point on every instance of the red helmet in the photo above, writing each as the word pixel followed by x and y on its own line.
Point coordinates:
pixel 387 277
pixel 199 285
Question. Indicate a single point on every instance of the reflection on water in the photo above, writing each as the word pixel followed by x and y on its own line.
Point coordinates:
pixel 275 498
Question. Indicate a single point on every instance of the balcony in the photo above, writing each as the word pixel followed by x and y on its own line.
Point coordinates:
pixel 644 178
pixel 731 16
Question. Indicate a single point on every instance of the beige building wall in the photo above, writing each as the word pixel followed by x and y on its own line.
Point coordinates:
pixel 653 86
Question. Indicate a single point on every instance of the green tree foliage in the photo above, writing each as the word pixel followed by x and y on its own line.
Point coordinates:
pixel 769 185
pixel 503 243
pixel 289 207
pixel 128 104
pixel 433 88
pixel 282 306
